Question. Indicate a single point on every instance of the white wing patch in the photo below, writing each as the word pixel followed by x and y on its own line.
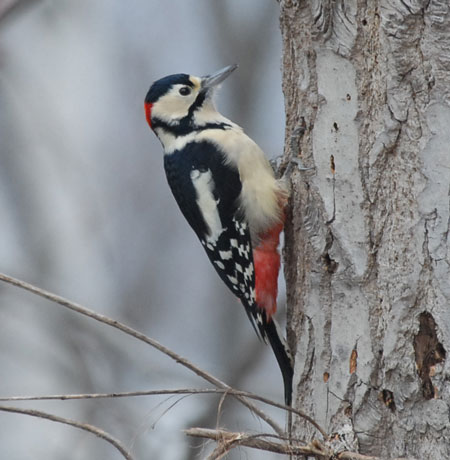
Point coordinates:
pixel 220 264
pixel 225 255
pixel 204 184
pixel 248 273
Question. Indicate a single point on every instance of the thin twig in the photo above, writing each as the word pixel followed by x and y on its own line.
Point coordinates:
pixel 137 335
pixel 219 408
pixel 192 391
pixel 168 409
pixel 82 426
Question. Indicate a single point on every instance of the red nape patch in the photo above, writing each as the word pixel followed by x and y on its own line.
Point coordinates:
pixel 148 113
pixel 267 265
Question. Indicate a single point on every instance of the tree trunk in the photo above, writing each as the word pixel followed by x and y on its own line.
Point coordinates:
pixel 367 89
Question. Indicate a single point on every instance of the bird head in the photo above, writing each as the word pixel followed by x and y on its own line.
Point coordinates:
pixel 182 101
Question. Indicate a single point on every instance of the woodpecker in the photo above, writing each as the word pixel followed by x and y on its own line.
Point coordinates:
pixel 226 190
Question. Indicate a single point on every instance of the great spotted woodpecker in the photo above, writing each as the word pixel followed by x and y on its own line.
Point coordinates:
pixel 226 190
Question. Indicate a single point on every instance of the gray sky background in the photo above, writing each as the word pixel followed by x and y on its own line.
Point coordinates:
pixel 85 212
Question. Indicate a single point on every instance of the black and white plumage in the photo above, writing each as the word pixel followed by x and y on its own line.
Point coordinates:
pixel 208 198
pixel 224 186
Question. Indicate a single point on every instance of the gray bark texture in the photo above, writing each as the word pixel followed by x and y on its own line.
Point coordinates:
pixel 367 89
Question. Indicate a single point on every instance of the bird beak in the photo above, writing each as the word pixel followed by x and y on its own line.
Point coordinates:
pixel 209 81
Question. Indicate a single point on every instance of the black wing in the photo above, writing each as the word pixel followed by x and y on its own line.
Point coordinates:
pixel 223 232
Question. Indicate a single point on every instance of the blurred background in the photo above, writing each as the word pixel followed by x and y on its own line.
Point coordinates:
pixel 85 212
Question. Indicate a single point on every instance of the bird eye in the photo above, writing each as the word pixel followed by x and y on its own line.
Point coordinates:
pixel 185 90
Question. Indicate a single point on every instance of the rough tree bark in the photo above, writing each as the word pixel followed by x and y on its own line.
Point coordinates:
pixel 367 89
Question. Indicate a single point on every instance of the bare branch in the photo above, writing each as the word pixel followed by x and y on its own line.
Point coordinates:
pixel 142 337
pixel 180 391
pixel 228 440
pixel 82 426
pixel 10 8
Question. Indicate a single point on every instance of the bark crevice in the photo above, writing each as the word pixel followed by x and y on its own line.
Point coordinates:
pixel 428 352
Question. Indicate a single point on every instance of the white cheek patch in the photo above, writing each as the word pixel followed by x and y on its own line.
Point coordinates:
pixel 173 106
pixel 170 110
pixel 204 184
